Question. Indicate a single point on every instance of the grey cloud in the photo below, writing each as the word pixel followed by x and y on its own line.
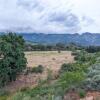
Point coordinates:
pixel 72 20
pixel 87 20
pixel 47 16
pixel 58 17
pixel 30 5
pixel 68 20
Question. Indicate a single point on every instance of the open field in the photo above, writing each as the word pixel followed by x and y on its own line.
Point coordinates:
pixel 51 60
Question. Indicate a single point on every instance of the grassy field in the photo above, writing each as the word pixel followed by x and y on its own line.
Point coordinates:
pixel 48 58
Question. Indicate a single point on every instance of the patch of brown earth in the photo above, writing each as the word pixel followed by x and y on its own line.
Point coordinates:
pixel 90 96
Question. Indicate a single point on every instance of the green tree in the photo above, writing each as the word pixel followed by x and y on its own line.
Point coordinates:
pixel 12 58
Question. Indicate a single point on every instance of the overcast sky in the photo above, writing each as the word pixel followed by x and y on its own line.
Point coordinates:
pixel 50 16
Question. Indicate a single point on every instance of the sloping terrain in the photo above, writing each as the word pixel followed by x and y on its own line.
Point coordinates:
pixel 82 39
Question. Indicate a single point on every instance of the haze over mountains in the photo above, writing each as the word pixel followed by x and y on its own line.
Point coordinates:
pixel 82 39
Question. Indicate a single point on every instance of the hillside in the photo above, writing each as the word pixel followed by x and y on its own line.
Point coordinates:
pixel 82 39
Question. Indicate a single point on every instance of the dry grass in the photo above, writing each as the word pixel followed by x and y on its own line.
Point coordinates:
pixel 51 60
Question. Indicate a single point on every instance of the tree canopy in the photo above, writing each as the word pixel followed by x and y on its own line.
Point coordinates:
pixel 12 58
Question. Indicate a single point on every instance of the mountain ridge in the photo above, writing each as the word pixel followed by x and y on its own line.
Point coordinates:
pixel 82 39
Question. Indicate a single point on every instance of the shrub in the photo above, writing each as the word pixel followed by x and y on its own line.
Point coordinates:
pixel 4 93
pixel 74 53
pixel 66 68
pixel 92 81
pixel 38 69
pixel 81 93
pixel 74 67
pixel 19 96
pixel 70 79
pixel 49 76
pixel 24 89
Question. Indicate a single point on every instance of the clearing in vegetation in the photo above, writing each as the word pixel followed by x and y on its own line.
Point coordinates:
pixel 50 60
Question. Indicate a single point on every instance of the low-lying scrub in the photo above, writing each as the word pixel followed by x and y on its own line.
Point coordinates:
pixel 38 69
pixel 82 75
pixel 92 81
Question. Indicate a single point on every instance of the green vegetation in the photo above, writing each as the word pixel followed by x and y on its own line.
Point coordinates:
pixel 52 47
pixel 66 68
pixel 92 81
pixel 82 75
pixel 38 69
pixel 12 60
pixel 81 93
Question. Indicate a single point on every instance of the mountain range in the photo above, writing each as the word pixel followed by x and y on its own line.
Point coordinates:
pixel 82 39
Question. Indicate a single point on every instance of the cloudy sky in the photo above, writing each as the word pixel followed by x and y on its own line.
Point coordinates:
pixel 50 16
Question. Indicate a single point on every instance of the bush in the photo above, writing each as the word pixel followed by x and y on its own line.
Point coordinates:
pixel 92 81
pixel 4 93
pixel 38 69
pixel 66 68
pixel 74 53
pixel 49 76
pixel 82 93
pixel 24 89
pixel 70 79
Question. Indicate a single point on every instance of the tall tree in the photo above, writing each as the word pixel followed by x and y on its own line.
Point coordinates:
pixel 12 59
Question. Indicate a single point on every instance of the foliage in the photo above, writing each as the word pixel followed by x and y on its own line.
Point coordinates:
pixel 81 93
pixel 49 76
pixel 92 81
pixel 38 93
pixel 3 94
pixel 92 49
pixel 74 53
pixel 83 73
pixel 74 67
pixel 54 91
pixel 67 68
pixel 23 89
pixel 71 78
pixel 12 60
pixel 84 57
pixel 38 69
pixel 52 47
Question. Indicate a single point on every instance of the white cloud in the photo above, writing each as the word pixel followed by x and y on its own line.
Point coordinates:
pixel 50 16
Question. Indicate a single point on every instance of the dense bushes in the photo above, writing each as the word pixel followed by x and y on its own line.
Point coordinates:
pixel 38 69
pixel 52 47
pixel 66 68
pixel 69 79
pixel 74 67
pixel 92 49
pixel 12 59
pixel 92 81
